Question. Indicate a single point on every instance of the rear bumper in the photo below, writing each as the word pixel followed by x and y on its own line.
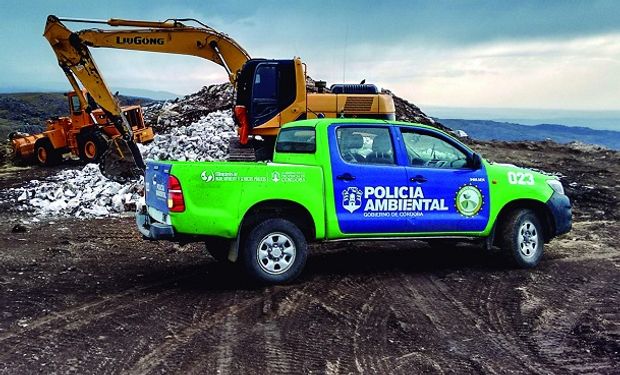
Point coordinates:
pixel 153 230
pixel 560 207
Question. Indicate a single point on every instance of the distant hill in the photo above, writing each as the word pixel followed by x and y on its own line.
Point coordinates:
pixel 507 131
pixel 29 111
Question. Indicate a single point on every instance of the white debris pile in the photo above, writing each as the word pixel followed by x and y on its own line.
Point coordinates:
pixel 204 140
pixel 86 193
pixel 189 109
pixel 78 193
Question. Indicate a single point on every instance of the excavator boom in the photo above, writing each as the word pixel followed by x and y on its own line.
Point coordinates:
pixel 122 160
pixel 171 37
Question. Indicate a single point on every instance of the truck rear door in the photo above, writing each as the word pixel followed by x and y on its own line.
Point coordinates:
pixel 156 187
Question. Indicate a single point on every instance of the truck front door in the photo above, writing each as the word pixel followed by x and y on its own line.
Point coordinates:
pixel 367 179
pixel 451 194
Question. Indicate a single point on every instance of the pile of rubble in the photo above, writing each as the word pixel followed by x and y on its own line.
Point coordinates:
pixel 86 193
pixel 204 140
pixel 80 193
pixel 189 109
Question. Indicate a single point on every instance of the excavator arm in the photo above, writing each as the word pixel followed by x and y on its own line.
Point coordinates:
pixel 123 161
pixel 174 37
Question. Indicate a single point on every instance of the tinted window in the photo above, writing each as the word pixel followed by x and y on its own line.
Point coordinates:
pixel 365 145
pixel 296 140
pixel 265 82
pixel 75 103
pixel 426 150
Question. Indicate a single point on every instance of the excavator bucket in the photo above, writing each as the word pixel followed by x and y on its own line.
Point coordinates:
pixel 122 161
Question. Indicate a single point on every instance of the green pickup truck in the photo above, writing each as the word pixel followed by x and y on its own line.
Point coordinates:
pixel 351 179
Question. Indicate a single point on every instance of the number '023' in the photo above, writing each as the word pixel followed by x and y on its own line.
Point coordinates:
pixel 520 178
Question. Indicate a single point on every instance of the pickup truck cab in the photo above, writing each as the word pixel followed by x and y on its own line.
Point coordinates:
pixel 351 179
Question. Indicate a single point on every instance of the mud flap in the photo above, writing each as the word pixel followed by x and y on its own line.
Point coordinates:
pixel 122 161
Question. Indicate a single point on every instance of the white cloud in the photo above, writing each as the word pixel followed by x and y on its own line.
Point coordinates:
pixel 580 73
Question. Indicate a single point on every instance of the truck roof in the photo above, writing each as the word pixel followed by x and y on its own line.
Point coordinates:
pixel 325 122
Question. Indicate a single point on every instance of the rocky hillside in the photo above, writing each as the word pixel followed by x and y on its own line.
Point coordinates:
pixel 506 131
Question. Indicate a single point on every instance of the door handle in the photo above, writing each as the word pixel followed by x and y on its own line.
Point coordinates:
pixel 418 178
pixel 346 177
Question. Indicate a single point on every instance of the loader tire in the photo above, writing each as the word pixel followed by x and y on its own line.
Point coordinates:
pixel 91 146
pixel 45 154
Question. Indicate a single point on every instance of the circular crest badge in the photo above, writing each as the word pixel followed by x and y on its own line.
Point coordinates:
pixel 468 200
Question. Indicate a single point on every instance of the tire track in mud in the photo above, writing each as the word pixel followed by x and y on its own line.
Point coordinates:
pixel 65 315
pixel 401 320
pixel 556 336
pixel 59 331
pixel 298 314
pixel 472 340
pixel 162 351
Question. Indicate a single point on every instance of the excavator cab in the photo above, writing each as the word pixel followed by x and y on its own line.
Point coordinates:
pixel 264 89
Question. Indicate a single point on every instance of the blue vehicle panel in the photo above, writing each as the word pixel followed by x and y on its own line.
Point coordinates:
pixel 382 192
pixel 353 185
pixel 156 185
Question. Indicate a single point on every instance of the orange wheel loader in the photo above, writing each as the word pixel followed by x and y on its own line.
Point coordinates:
pixel 84 134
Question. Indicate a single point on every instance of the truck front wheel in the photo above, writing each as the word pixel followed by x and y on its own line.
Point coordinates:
pixel 522 237
pixel 275 251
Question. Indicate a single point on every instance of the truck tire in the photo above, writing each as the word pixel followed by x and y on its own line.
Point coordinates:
pixel 91 146
pixel 274 252
pixel 45 154
pixel 521 236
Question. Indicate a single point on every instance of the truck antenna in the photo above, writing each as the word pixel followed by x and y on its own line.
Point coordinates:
pixel 344 55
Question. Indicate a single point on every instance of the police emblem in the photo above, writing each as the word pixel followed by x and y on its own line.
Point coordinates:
pixel 351 199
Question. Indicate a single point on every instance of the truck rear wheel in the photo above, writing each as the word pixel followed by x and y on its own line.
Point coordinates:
pixel 45 154
pixel 91 147
pixel 521 236
pixel 275 252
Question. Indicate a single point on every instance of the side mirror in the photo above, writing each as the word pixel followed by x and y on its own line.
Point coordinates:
pixel 475 161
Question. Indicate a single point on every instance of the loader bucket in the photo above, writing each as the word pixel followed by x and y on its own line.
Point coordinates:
pixel 122 161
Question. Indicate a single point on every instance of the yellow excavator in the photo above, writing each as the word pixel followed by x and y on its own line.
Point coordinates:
pixel 269 93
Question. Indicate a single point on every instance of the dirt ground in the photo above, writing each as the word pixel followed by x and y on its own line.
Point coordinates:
pixel 93 297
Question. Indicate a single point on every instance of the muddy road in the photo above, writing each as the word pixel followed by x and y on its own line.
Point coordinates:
pixel 92 297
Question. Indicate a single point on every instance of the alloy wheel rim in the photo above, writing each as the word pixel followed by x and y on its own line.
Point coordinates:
pixel 528 240
pixel 276 253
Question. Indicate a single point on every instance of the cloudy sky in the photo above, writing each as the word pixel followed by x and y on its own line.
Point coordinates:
pixel 508 54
